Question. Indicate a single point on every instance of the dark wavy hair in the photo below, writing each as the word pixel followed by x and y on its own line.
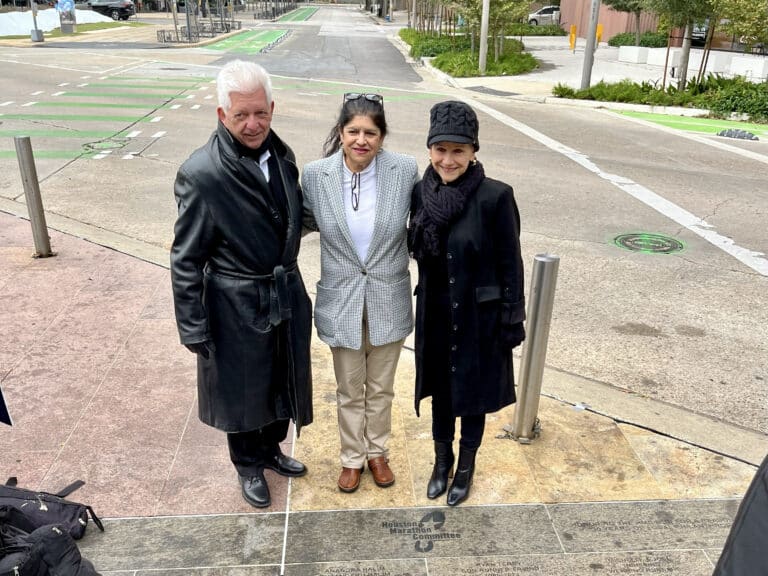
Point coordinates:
pixel 350 109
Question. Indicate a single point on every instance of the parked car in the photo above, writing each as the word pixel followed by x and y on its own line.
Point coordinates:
pixel 699 33
pixel 545 15
pixel 115 9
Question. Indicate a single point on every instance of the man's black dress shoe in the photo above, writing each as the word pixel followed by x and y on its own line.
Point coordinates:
pixel 255 490
pixel 285 465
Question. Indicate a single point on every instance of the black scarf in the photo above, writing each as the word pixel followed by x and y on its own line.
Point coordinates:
pixel 441 205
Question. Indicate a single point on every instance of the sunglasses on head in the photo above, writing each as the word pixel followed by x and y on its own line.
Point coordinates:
pixel 378 98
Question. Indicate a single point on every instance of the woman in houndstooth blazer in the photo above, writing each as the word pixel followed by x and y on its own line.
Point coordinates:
pixel 358 198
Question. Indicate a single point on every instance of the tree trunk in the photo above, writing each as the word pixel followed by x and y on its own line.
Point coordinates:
pixel 685 53
pixel 637 28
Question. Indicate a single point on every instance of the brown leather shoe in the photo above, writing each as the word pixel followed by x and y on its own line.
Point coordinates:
pixel 382 474
pixel 349 479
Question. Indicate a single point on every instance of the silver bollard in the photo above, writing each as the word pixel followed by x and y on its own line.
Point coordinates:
pixel 534 354
pixel 32 195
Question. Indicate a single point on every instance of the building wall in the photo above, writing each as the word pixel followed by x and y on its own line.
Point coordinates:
pixel 578 12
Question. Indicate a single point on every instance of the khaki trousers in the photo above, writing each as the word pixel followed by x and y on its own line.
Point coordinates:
pixel 365 382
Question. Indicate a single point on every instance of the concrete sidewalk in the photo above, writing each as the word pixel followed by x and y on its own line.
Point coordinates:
pixel 100 390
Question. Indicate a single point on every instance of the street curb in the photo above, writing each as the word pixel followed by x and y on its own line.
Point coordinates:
pixel 597 104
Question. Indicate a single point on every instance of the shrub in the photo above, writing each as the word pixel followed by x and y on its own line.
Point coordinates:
pixel 647 39
pixel 521 29
pixel 722 96
pixel 453 55
pixel 465 64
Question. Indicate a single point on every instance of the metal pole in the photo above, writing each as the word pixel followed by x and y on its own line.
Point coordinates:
pixel 542 297
pixel 589 51
pixel 32 195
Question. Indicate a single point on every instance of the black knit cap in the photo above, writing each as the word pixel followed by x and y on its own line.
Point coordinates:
pixel 453 121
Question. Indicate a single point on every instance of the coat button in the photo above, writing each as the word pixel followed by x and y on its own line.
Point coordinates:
pixel 454 348
pixel 455 305
pixel 451 280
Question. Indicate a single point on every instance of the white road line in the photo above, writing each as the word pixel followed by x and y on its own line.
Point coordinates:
pixel 190 96
pixel 83 85
pixel 158 134
pixel 204 87
pixel 133 134
pixel 209 97
pixel 102 155
pixel 36 93
pixel 63 84
pixel 7 103
pixel 128 157
pixel 28 104
pixel 755 260
pixel 58 93
pixel 195 107
pixel 156 119
pixel 175 106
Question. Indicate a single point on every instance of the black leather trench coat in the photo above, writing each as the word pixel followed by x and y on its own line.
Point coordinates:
pixel 484 291
pixel 236 282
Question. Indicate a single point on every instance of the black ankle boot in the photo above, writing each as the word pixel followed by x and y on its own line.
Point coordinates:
pixel 462 479
pixel 438 483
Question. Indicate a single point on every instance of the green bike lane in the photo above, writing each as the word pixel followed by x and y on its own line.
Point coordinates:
pixel 77 116
pixel 300 15
pixel 700 125
pixel 251 42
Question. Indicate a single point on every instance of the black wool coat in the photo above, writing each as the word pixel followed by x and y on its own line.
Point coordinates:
pixel 462 304
pixel 236 283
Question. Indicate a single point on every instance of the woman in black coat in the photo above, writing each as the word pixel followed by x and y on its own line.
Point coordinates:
pixel 465 236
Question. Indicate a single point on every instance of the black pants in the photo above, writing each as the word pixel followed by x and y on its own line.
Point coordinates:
pixel 250 450
pixel 444 422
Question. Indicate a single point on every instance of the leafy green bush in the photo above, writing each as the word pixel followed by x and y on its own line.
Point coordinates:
pixel 465 64
pixel 428 45
pixel 647 39
pixel 521 29
pixel 453 55
pixel 722 96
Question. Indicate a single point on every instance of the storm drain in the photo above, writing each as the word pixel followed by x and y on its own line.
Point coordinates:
pixel 649 243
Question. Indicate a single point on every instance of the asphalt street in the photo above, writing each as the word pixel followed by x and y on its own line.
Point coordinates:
pixel 685 330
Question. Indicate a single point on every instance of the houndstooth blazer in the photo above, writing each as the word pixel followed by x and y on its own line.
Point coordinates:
pixel 382 283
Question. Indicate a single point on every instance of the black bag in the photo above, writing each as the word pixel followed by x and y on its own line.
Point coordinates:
pixel 26 550
pixel 744 553
pixel 43 508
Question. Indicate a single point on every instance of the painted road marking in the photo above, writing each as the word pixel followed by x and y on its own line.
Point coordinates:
pixel 124 95
pixel 53 133
pixel 156 119
pixel 708 141
pixel 28 104
pixel 133 134
pixel 175 106
pixel 82 85
pixel 7 103
pixel 101 155
pixel 63 84
pixel 158 134
pixel 195 107
pixel 36 93
pixel 209 97
pixel 754 260
pixel 251 42
pixel 300 15
pixel 65 104
pixel 75 117
pixel 128 157
pixel 707 125
pixel 58 93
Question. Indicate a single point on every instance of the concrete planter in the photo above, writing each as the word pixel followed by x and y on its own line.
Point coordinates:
pixel 657 57
pixel 633 54
pixel 754 68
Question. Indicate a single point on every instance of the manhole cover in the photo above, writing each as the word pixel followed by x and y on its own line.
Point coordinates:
pixel 649 243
